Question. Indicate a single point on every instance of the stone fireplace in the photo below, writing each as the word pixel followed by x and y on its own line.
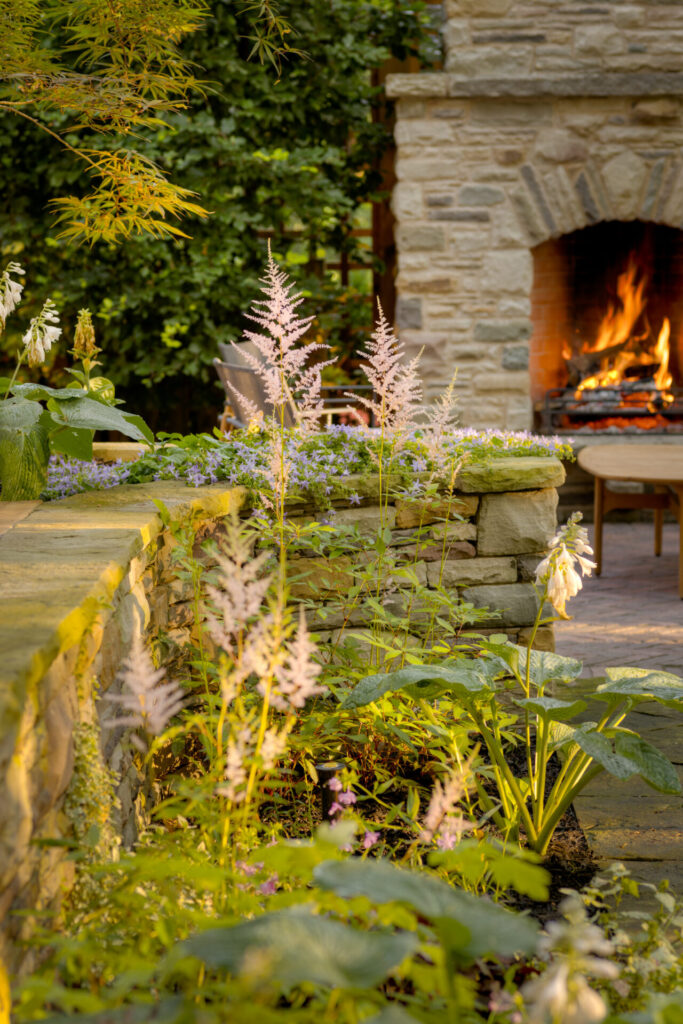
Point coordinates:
pixel 530 171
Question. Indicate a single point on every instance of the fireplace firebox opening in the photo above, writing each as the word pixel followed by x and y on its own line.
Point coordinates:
pixel 607 345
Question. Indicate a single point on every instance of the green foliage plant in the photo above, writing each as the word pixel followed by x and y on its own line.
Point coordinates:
pixel 113 72
pixel 505 688
pixel 29 432
pixel 291 155
pixel 646 925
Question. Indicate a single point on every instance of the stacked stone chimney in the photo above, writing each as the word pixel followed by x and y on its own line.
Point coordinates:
pixel 549 116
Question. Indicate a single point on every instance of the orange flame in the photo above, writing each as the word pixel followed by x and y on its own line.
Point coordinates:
pixel 617 337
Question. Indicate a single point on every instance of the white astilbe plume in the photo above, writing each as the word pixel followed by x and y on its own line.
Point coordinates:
pixel 237 595
pixel 150 703
pixel 10 291
pixel 296 677
pixel 273 747
pixel 239 752
pixel 442 419
pixel 282 366
pixel 42 333
pixel 576 948
pixel 442 823
pixel 556 572
pixel 396 385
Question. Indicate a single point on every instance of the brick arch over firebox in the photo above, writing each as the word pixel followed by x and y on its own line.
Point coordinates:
pixel 523 138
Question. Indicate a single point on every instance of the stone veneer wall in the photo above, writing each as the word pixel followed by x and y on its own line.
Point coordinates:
pixel 550 116
pixel 82 576
pixel 78 579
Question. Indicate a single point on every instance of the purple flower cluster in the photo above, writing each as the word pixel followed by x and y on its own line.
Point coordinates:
pixel 72 476
pixel 314 461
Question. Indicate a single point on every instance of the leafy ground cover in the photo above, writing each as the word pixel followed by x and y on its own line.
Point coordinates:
pixel 244 458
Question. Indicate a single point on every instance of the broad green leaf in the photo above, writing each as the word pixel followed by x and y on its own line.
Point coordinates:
pixel 641 684
pixel 467 679
pixel 75 443
pixel 394 1014
pixel 601 749
pixel 86 412
pixel 166 1011
pixel 304 947
pixel 137 421
pixel 492 930
pixel 563 735
pixel 506 653
pixel 624 754
pixel 545 665
pixel 24 450
pixel 42 392
pixel 652 765
pixel 551 709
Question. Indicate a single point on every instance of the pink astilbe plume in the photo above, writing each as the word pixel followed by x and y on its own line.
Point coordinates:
pixel 150 703
pixel 396 385
pixel 240 749
pixel 442 823
pixel 297 677
pixel 238 593
pixel 282 366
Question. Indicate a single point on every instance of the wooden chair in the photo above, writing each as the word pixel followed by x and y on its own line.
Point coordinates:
pixel 234 370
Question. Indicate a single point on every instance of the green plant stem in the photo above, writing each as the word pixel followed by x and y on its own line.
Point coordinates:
pixel 494 751
pixel 560 808
pixel 538 789
pixel 14 375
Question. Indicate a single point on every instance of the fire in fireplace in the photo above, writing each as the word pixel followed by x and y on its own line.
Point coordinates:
pixel 607 304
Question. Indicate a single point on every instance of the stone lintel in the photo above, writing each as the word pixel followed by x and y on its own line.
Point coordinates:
pixel 440 84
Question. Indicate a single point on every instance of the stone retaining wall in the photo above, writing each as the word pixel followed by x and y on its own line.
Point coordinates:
pixel 79 578
pixel 496 527
pixel 82 576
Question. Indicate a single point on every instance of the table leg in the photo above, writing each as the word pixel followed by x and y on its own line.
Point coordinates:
pixel 679 513
pixel 598 504
pixel 659 522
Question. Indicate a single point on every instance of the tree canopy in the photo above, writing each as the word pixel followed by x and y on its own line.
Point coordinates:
pixel 286 152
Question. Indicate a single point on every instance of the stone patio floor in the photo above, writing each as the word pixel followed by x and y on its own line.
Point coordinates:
pixel 632 615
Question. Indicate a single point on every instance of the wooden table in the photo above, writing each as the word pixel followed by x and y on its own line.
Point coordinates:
pixel 657 464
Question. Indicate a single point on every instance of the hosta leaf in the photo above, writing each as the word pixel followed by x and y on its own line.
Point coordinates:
pixel 601 749
pixel 484 928
pixel 42 392
pixel 563 735
pixel 545 665
pixel 86 412
pixel 24 450
pixel 652 765
pixel 392 1015
pixel 551 708
pixel 77 444
pixel 304 947
pixel 166 1011
pixel 641 684
pixel 467 679
pixel 624 754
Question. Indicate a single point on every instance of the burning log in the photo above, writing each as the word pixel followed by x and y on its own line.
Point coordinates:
pixel 588 364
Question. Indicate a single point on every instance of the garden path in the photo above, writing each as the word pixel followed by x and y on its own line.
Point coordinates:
pixel 632 615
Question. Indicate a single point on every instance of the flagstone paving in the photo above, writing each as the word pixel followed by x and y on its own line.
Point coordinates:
pixel 632 615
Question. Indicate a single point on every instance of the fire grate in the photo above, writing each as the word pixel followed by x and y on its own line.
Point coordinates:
pixel 632 406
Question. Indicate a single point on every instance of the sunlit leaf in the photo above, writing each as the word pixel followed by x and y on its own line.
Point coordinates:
pixel 301 947
pixel 484 927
